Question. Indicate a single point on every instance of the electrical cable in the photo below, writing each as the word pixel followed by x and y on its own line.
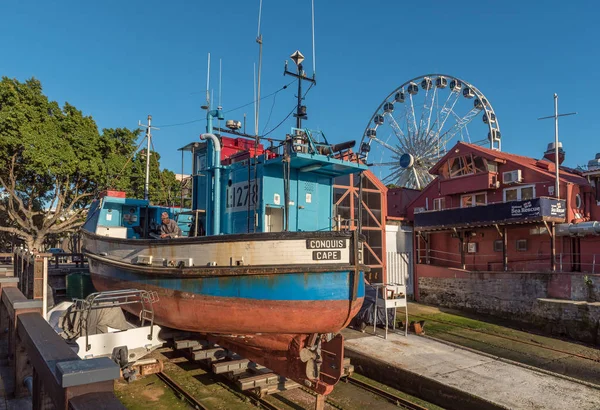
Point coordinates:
pixel 116 178
pixel 270 113
pixel 162 181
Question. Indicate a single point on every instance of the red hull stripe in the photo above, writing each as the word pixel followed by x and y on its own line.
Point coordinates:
pixel 209 314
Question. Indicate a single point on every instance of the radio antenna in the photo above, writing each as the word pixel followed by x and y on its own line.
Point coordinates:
pixel 254 95
pixel 208 84
pixel 259 41
pixel 313 40
pixel 219 107
pixel 220 77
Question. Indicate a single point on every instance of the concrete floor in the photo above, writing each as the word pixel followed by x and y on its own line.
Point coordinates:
pixel 501 384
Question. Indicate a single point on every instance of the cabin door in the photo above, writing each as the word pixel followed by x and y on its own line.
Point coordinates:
pixel 273 219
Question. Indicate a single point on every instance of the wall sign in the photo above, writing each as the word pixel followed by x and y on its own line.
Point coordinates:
pixel 241 196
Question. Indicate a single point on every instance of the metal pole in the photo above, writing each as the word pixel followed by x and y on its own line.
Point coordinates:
pixel 148 138
pixel 504 249
pixel 553 249
pixel 299 108
pixel 182 182
pixel 556 161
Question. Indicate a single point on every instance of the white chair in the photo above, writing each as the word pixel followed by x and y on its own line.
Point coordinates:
pixel 394 296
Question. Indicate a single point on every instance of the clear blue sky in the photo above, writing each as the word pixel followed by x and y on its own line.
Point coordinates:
pixel 121 60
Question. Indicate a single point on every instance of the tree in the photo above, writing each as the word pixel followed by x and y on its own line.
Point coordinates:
pixel 164 188
pixel 52 161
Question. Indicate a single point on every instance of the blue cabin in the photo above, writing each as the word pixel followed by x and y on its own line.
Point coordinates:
pixel 120 217
pixel 250 194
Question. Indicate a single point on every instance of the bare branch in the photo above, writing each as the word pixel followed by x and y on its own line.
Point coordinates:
pixel 15 231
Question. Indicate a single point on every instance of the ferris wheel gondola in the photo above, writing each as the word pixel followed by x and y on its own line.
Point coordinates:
pixel 417 122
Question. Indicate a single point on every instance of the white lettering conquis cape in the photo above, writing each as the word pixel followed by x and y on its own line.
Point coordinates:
pixel 325 243
pixel 327 255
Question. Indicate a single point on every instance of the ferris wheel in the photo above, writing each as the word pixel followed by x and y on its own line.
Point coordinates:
pixel 419 121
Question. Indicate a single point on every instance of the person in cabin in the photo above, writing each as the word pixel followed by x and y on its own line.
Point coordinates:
pixel 169 228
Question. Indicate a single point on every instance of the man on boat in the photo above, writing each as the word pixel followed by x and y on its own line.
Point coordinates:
pixel 169 228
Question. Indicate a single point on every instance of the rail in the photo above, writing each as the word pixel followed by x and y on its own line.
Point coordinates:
pixel 565 261
pixel 61 258
pixel 41 363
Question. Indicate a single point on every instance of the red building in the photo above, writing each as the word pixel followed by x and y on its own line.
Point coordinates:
pixel 492 211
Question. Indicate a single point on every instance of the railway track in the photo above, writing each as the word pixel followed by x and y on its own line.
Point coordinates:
pixel 263 403
pixel 181 392
pixel 525 342
pixel 392 398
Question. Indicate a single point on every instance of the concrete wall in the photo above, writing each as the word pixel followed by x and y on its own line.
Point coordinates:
pixel 560 304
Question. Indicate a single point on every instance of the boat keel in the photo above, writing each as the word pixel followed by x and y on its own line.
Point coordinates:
pixel 315 361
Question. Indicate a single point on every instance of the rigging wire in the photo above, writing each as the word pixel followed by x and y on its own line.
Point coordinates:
pixel 229 111
pixel 291 112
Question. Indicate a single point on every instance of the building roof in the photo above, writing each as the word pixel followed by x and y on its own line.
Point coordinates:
pixel 540 166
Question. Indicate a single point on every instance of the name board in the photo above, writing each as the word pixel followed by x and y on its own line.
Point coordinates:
pixel 241 196
pixel 525 209
pixel 557 209
pixel 326 249
pixel 327 255
pixel 325 244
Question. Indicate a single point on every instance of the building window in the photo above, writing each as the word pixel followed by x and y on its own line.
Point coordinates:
pixel 578 201
pixel 522 245
pixel 498 245
pixel 521 193
pixel 469 200
pixel 439 204
pixel 464 165
pixel 460 166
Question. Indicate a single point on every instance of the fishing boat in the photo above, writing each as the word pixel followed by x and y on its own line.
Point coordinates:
pixel 264 269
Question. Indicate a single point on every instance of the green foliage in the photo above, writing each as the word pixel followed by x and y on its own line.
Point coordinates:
pixel 53 160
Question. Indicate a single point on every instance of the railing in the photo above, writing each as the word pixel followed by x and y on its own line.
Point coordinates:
pixel 565 261
pixel 459 206
pixel 76 258
pixel 41 363
pixel 6 257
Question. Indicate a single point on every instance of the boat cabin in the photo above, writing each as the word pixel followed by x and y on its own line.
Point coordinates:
pixel 247 190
